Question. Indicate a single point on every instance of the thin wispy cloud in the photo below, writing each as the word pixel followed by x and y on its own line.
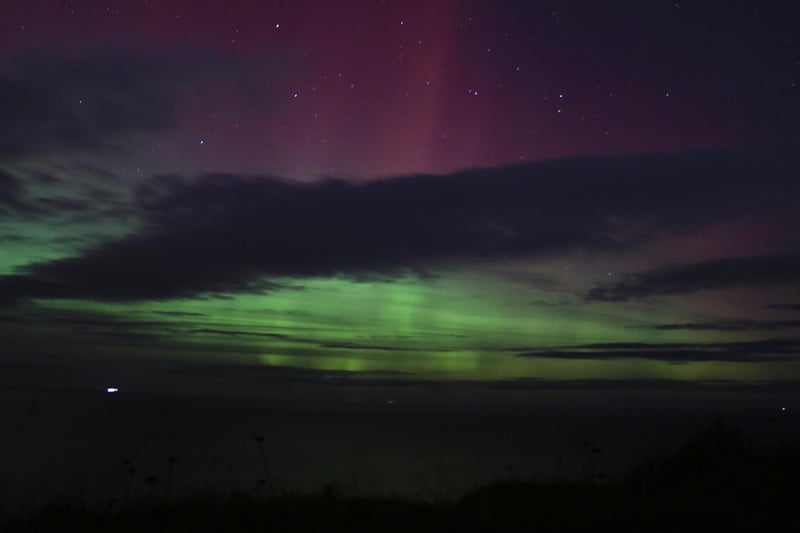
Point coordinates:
pixel 745 351
pixel 758 271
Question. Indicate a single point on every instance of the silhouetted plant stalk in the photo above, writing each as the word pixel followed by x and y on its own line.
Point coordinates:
pixel 264 463
pixel 131 472
pixel 260 483
pixel 115 487
pixel 356 485
pixel 440 491
pixel 171 461
pixel 151 484
pixel 591 455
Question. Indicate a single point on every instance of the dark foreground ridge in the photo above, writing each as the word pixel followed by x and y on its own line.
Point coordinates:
pixel 718 481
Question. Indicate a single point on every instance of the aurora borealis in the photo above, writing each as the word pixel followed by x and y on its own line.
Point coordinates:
pixel 441 191
pixel 414 246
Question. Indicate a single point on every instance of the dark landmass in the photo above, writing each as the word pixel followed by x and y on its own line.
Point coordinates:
pixel 719 480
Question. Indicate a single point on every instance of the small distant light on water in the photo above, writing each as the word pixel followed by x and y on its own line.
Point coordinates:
pixel 112 390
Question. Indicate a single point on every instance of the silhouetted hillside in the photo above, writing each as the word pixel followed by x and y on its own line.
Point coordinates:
pixel 718 481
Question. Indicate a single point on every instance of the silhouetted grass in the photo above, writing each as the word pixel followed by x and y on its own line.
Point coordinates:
pixel 718 481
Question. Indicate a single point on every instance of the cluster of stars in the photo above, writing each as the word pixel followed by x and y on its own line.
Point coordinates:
pixel 417 72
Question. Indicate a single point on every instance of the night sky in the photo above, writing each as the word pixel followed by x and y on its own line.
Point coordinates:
pixel 252 197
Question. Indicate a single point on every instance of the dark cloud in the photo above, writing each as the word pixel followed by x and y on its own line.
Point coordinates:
pixel 94 99
pixel 730 325
pixel 55 103
pixel 63 204
pixel 785 307
pixel 225 234
pixel 762 270
pixel 86 321
pixel 240 333
pixel 340 345
pixel 39 196
pixel 379 347
pixel 284 374
pixel 11 191
pixel 643 385
pixel 44 178
pixel 751 351
pixel 14 198
pixel 384 378
pixel 16 238
pixel 182 314
pixel 129 336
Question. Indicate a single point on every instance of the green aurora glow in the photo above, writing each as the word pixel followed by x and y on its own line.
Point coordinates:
pixel 459 326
